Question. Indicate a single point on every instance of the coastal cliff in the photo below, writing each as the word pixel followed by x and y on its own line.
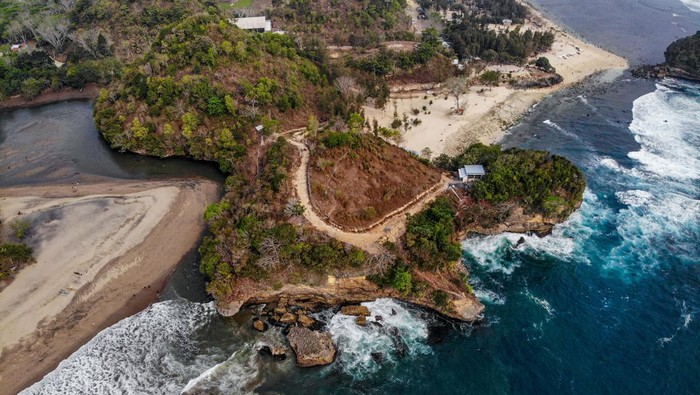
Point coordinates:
pixel 682 61
pixel 348 291
pixel 267 241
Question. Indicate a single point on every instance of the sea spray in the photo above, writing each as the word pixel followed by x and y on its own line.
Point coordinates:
pixel 152 352
pixel 392 332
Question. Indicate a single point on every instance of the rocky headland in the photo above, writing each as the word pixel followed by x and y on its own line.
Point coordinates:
pixel 682 61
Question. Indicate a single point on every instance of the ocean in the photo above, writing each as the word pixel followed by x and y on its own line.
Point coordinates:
pixel 609 303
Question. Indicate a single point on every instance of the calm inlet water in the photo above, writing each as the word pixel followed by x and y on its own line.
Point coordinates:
pixel 609 303
pixel 59 142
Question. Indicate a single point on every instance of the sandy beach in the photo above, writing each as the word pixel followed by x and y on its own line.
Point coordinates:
pixel 103 252
pixel 489 111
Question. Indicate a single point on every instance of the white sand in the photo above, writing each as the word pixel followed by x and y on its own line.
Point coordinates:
pixel 75 235
pixel 489 113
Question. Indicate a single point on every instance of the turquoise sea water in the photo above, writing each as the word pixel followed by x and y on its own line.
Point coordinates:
pixel 609 303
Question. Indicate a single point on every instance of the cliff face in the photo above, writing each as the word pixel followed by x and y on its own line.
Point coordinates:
pixel 342 291
pixel 683 57
pixel 516 222
pixel 682 61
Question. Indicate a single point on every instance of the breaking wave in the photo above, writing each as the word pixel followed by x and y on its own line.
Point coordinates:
pixel 693 5
pixel 153 352
pixel 561 129
pixel 666 124
pixel 363 350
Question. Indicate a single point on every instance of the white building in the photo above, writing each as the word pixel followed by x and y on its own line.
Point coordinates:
pixel 471 173
pixel 255 23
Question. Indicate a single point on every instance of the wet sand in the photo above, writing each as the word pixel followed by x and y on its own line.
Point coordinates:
pixel 104 251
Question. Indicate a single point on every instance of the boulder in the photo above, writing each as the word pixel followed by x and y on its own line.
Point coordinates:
pixel 288 318
pixel 260 325
pixel 312 348
pixel 280 310
pixel 361 320
pixel 355 310
pixel 306 321
pixel 278 352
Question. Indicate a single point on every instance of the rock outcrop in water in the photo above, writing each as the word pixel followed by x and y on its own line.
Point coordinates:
pixel 311 348
pixel 682 61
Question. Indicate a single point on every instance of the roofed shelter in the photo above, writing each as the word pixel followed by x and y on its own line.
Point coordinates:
pixel 255 23
pixel 471 173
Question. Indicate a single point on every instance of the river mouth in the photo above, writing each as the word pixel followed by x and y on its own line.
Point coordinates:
pixel 58 143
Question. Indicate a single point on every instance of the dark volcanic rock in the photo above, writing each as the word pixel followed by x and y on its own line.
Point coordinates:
pixel 312 348
pixel 539 82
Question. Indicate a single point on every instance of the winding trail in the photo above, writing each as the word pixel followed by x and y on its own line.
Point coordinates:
pixel 390 227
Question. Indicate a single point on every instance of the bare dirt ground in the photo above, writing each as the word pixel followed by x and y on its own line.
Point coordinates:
pixel 388 228
pixel 354 187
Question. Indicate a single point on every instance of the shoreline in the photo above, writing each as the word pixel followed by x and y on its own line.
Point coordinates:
pixel 491 111
pixel 89 92
pixel 121 274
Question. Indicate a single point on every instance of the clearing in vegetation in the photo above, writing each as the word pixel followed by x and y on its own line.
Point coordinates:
pixel 357 179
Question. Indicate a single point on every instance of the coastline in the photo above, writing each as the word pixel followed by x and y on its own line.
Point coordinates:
pixel 120 273
pixel 490 111
pixel 90 91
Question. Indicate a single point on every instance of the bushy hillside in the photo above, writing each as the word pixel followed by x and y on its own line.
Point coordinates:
pixel 538 181
pixel 205 86
pixel 684 54
pixel 360 23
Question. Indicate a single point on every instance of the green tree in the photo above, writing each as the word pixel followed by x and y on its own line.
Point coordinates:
pixel 31 88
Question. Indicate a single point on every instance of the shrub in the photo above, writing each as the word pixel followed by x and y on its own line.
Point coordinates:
pixel 341 139
pixel 441 299
pixel 20 227
pixel 402 281
pixel 429 235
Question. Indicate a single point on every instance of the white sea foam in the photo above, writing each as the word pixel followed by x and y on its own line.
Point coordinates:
pixel 666 124
pixel 398 327
pixel 489 252
pixel 488 296
pixel 651 221
pixel 561 129
pixel 135 355
pixel 612 164
pixel 542 303
pixel 585 101
pixel 238 374
pixel 634 198
pixel 693 5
